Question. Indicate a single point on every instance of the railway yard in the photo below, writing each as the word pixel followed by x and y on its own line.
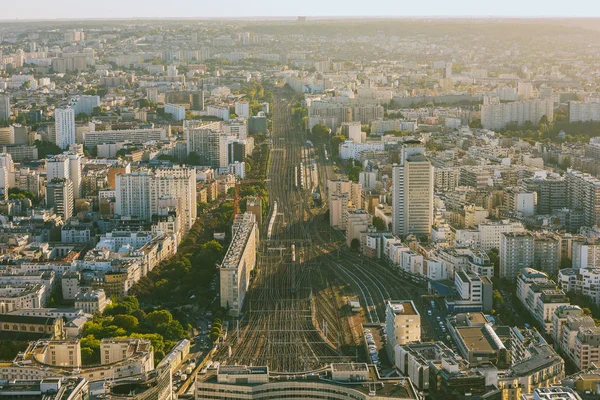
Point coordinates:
pixel 296 316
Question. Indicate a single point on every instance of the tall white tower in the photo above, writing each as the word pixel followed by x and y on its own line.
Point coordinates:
pixel 65 127
pixel 412 192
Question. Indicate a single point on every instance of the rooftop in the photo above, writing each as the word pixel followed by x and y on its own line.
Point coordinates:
pixel 480 338
pixel 404 307
pixel 394 387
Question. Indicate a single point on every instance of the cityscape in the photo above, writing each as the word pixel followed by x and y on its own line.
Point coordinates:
pixel 302 207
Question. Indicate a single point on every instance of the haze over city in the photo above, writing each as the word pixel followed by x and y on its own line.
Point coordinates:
pixel 67 9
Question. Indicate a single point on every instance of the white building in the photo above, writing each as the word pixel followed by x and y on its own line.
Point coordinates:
pixel 176 112
pixel 490 233
pixel 58 167
pixel 581 112
pixel 412 192
pixel 84 104
pixel 350 149
pixel 585 255
pixel 136 136
pixel 498 115
pixel 242 109
pixel 219 112
pixel 139 193
pixel 64 127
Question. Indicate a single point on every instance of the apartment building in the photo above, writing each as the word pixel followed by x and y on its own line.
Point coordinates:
pixel 547 252
pixel 412 192
pixel 446 179
pixel 402 323
pixel 496 115
pixel 209 144
pixel 19 296
pixel 357 222
pixel 59 196
pixel 585 255
pixel 490 233
pixel 341 186
pixel 239 261
pixel 142 193
pixel 91 302
pixel 516 252
pixel 583 111
pixel 473 292
pixel 587 347
pixel 581 280
pixel 584 195
pixel 64 127
pixel 92 139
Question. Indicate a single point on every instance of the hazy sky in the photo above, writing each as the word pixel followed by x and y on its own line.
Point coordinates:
pixel 50 9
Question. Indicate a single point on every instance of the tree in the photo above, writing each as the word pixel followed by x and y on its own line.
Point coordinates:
pixel 96 111
pixel 379 224
pixel 498 301
pixel 475 124
pixel 335 143
pixel 355 244
pixel 159 317
pixel 127 322
pixel 354 173
pixel 320 133
pixel 82 117
pixel 193 158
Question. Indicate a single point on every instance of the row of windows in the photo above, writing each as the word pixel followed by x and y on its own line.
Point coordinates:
pixel 6 327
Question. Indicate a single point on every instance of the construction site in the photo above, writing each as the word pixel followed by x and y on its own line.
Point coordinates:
pixel 296 315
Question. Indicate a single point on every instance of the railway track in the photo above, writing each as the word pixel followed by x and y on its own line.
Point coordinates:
pixel 277 327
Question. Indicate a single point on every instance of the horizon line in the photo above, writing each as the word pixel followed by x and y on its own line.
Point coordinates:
pixel 308 18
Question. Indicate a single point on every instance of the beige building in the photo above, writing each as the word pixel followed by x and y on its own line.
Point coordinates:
pixel 354 190
pixel 357 222
pixel 19 296
pixel 338 210
pixel 116 350
pixel 402 323
pixel 587 347
pixel 91 302
pixel 61 353
pixel 121 358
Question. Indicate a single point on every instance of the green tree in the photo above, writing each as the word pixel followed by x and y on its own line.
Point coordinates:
pixel 335 143
pixel 127 322
pixel 320 133
pixel 159 317
pixel 497 299
pixel 354 173
pixel 355 244
pixel 475 124
pixel 379 223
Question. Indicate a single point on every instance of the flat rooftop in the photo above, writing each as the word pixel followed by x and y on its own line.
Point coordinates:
pixel 404 307
pixel 477 338
pixel 344 367
pixel 394 387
